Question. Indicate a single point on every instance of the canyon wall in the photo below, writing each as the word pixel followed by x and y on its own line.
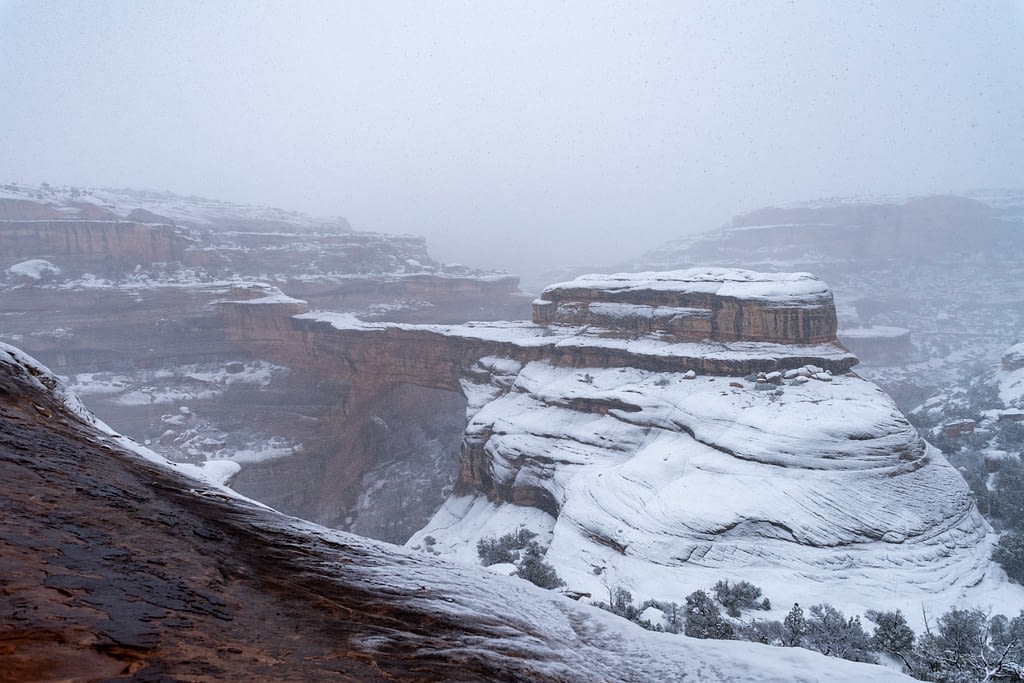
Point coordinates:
pixel 710 304
pixel 478 361
pixel 100 247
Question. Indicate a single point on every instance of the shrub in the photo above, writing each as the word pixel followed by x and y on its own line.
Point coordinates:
pixel 503 548
pixel 536 571
pixel 703 620
pixel 831 633
pixel 892 634
pixel 957 650
pixel 1009 553
pixel 794 626
pixel 762 631
pixel 737 597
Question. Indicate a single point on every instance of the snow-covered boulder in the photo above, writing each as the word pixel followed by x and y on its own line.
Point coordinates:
pixel 34 270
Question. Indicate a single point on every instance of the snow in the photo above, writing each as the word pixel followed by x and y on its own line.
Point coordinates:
pixel 818 491
pixel 725 282
pixel 567 640
pixel 163 387
pixel 876 332
pixel 1011 387
pixel 190 210
pixel 35 269
pixel 626 311
pixel 529 335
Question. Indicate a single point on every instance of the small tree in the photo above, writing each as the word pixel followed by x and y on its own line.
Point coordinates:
pixel 831 633
pixel 1009 553
pixel 957 650
pixel 704 620
pixel 622 603
pixel 535 570
pixel 1008 644
pixel 892 635
pixel 794 626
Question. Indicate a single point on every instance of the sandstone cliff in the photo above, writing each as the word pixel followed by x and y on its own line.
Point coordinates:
pixel 702 304
pixel 375 360
pixel 662 481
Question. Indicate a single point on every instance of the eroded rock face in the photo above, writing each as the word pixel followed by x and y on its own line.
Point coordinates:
pixel 804 481
pixel 93 246
pixel 378 359
pixel 714 304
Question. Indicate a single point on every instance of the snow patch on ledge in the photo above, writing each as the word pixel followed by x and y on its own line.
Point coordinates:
pixel 726 282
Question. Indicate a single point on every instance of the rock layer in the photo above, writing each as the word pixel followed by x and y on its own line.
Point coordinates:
pixel 715 304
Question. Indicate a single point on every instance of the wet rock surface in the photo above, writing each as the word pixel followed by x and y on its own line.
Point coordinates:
pixel 114 567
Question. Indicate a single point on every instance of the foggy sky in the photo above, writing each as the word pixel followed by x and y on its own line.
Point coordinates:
pixel 519 135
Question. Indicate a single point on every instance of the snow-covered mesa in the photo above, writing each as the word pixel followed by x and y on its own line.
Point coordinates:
pixel 722 282
pixel 808 483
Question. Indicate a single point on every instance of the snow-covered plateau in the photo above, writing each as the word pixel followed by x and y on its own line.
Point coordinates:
pixel 817 491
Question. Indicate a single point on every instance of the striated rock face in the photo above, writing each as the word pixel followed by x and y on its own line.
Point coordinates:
pixel 117 289
pixel 98 246
pixel 715 304
pixel 815 490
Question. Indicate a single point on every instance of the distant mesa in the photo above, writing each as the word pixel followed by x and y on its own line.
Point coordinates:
pixel 712 304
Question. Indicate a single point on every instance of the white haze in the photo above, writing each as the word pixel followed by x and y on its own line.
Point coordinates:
pixel 519 135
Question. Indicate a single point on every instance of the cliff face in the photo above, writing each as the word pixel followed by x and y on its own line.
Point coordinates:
pixel 663 481
pixel 919 230
pixel 117 291
pixel 95 246
pixel 656 462
pixel 374 360
pixel 695 305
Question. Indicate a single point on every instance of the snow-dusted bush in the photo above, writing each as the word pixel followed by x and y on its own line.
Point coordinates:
pixel 535 570
pixel 892 634
pixel 831 633
pixel 739 596
pixel 1009 553
pixel 520 549
pixel 703 618
pixel 503 549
